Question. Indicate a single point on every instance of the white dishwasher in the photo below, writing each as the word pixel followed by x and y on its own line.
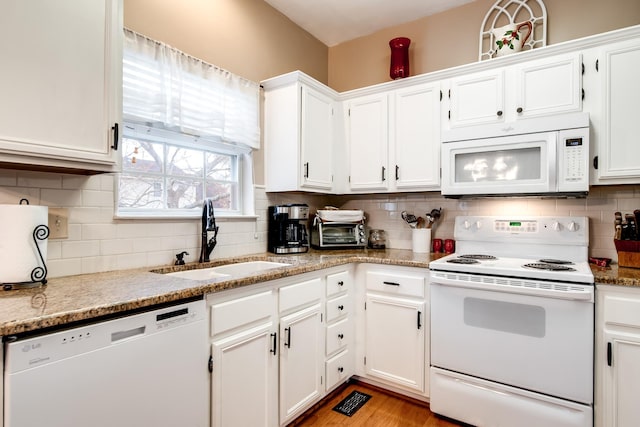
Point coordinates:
pixel 143 370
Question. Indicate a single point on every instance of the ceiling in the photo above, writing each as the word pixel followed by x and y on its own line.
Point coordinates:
pixel 336 21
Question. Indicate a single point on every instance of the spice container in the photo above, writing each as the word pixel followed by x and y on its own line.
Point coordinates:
pixel 377 239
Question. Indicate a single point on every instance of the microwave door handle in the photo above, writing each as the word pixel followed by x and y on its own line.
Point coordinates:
pixel 552 165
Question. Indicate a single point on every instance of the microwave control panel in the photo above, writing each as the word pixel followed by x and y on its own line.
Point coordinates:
pixel 573 160
pixel 572 155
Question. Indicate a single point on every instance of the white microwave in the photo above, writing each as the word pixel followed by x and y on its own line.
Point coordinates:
pixel 550 163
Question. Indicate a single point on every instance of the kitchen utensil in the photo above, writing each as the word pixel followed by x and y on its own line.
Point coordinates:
pixel 409 219
pixel 421 223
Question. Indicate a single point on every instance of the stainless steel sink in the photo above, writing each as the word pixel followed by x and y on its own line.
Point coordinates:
pixel 222 271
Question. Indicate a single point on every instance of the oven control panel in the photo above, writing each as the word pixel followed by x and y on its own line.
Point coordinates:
pixel 515 226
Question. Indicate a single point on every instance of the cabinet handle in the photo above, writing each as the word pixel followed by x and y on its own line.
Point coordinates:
pixel 595 162
pixel 210 364
pixel 419 319
pixel 583 94
pixel 583 68
pixel 115 129
pixel 341 369
pixel 275 343
pixel 383 174
pixel 341 307
pixel 609 354
pixel 306 170
pixel 340 336
pixel 597 65
pixel 519 110
pixel 397 172
pixel 499 113
pixel 340 283
pixel 391 283
pixel 287 343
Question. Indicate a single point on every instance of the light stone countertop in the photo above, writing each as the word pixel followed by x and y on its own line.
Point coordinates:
pixel 65 300
pixel 70 299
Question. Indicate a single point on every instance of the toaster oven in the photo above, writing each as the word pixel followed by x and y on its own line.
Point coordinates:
pixel 336 235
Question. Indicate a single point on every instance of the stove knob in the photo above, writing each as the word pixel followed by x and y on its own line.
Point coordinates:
pixel 466 225
pixel 555 226
pixel 572 226
pixel 478 224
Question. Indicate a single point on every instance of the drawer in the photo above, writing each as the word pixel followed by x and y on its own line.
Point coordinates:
pixel 241 311
pixel 339 369
pixel 622 310
pixel 338 336
pixel 396 283
pixel 338 307
pixel 300 294
pixel 337 283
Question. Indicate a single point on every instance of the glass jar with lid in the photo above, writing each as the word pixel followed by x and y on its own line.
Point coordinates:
pixel 377 239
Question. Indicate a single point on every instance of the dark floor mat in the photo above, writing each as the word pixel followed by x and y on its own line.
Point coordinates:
pixel 350 404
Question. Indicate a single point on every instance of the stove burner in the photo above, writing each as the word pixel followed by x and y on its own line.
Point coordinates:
pixel 463 261
pixel 478 256
pixel 551 267
pixel 556 261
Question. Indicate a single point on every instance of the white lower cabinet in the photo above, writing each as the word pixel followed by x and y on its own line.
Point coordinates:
pixel 395 323
pixel 617 356
pixel 339 365
pixel 269 351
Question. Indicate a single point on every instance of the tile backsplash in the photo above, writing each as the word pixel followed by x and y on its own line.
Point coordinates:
pixel 97 242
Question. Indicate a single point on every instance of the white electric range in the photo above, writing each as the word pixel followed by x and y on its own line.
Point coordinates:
pixel 512 323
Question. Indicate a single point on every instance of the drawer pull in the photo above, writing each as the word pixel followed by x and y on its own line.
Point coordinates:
pixel 341 307
pixel 391 283
pixel 341 336
pixel 419 319
pixel 340 283
pixel 341 369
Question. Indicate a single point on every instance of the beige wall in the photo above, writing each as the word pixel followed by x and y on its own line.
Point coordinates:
pixel 450 38
pixel 246 37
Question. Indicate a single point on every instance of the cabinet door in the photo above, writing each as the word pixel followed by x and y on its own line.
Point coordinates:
pixel 548 86
pixel 368 142
pixel 60 82
pixel 618 149
pixel 477 99
pixel 301 361
pixel 622 382
pixel 316 139
pixel 416 137
pixel 395 341
pixel 245 374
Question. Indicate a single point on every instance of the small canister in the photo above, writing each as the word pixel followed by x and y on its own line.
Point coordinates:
pixel 377 239
pixel 437 245
pixel 449 246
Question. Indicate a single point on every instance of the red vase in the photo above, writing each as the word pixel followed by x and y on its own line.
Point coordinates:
pixel 399 58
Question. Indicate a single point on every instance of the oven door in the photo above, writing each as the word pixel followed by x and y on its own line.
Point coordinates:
pixel 542 343
pixel 519 164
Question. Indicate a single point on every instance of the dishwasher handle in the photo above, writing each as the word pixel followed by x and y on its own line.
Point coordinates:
pixel 129 333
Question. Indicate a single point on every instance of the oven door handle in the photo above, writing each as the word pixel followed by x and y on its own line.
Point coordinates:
pixel 514 286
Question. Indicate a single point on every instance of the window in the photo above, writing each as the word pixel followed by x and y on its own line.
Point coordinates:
pixel 189 130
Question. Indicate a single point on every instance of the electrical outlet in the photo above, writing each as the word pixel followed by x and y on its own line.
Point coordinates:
pixel 58 223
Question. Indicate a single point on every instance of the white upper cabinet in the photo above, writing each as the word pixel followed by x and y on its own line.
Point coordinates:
pixel 614 114
pixel 394 139
pixel 368 138
pixel 415 137
pixel 60 82
pixel 299 133
pixel 476 99
pixel 528 89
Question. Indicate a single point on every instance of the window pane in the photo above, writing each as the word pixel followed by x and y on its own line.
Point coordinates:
pixel 139 191
pixel 220 167
pixel 184 193
pixel 142 156
pixel 223 195
pixel 184 162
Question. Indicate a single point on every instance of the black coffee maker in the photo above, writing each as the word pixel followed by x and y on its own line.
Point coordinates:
pixel 288 229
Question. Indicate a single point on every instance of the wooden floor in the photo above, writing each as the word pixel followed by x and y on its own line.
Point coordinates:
pixel 383 409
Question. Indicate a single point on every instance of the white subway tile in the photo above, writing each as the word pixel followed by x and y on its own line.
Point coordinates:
pixel 8 178
pixel 79 249
pixel 97 198
pixel 65 267
pixel 64 198
pixel 13 195
pixel 131 261
pixel 99 264
pixel 116 247
pixel 98 231
pixel 40 180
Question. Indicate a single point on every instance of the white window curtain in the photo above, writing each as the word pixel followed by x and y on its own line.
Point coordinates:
pixel 165 87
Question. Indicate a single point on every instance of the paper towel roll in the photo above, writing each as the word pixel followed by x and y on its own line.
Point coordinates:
pixel 18 251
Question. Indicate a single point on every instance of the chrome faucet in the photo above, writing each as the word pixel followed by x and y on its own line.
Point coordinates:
pixel 208 224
